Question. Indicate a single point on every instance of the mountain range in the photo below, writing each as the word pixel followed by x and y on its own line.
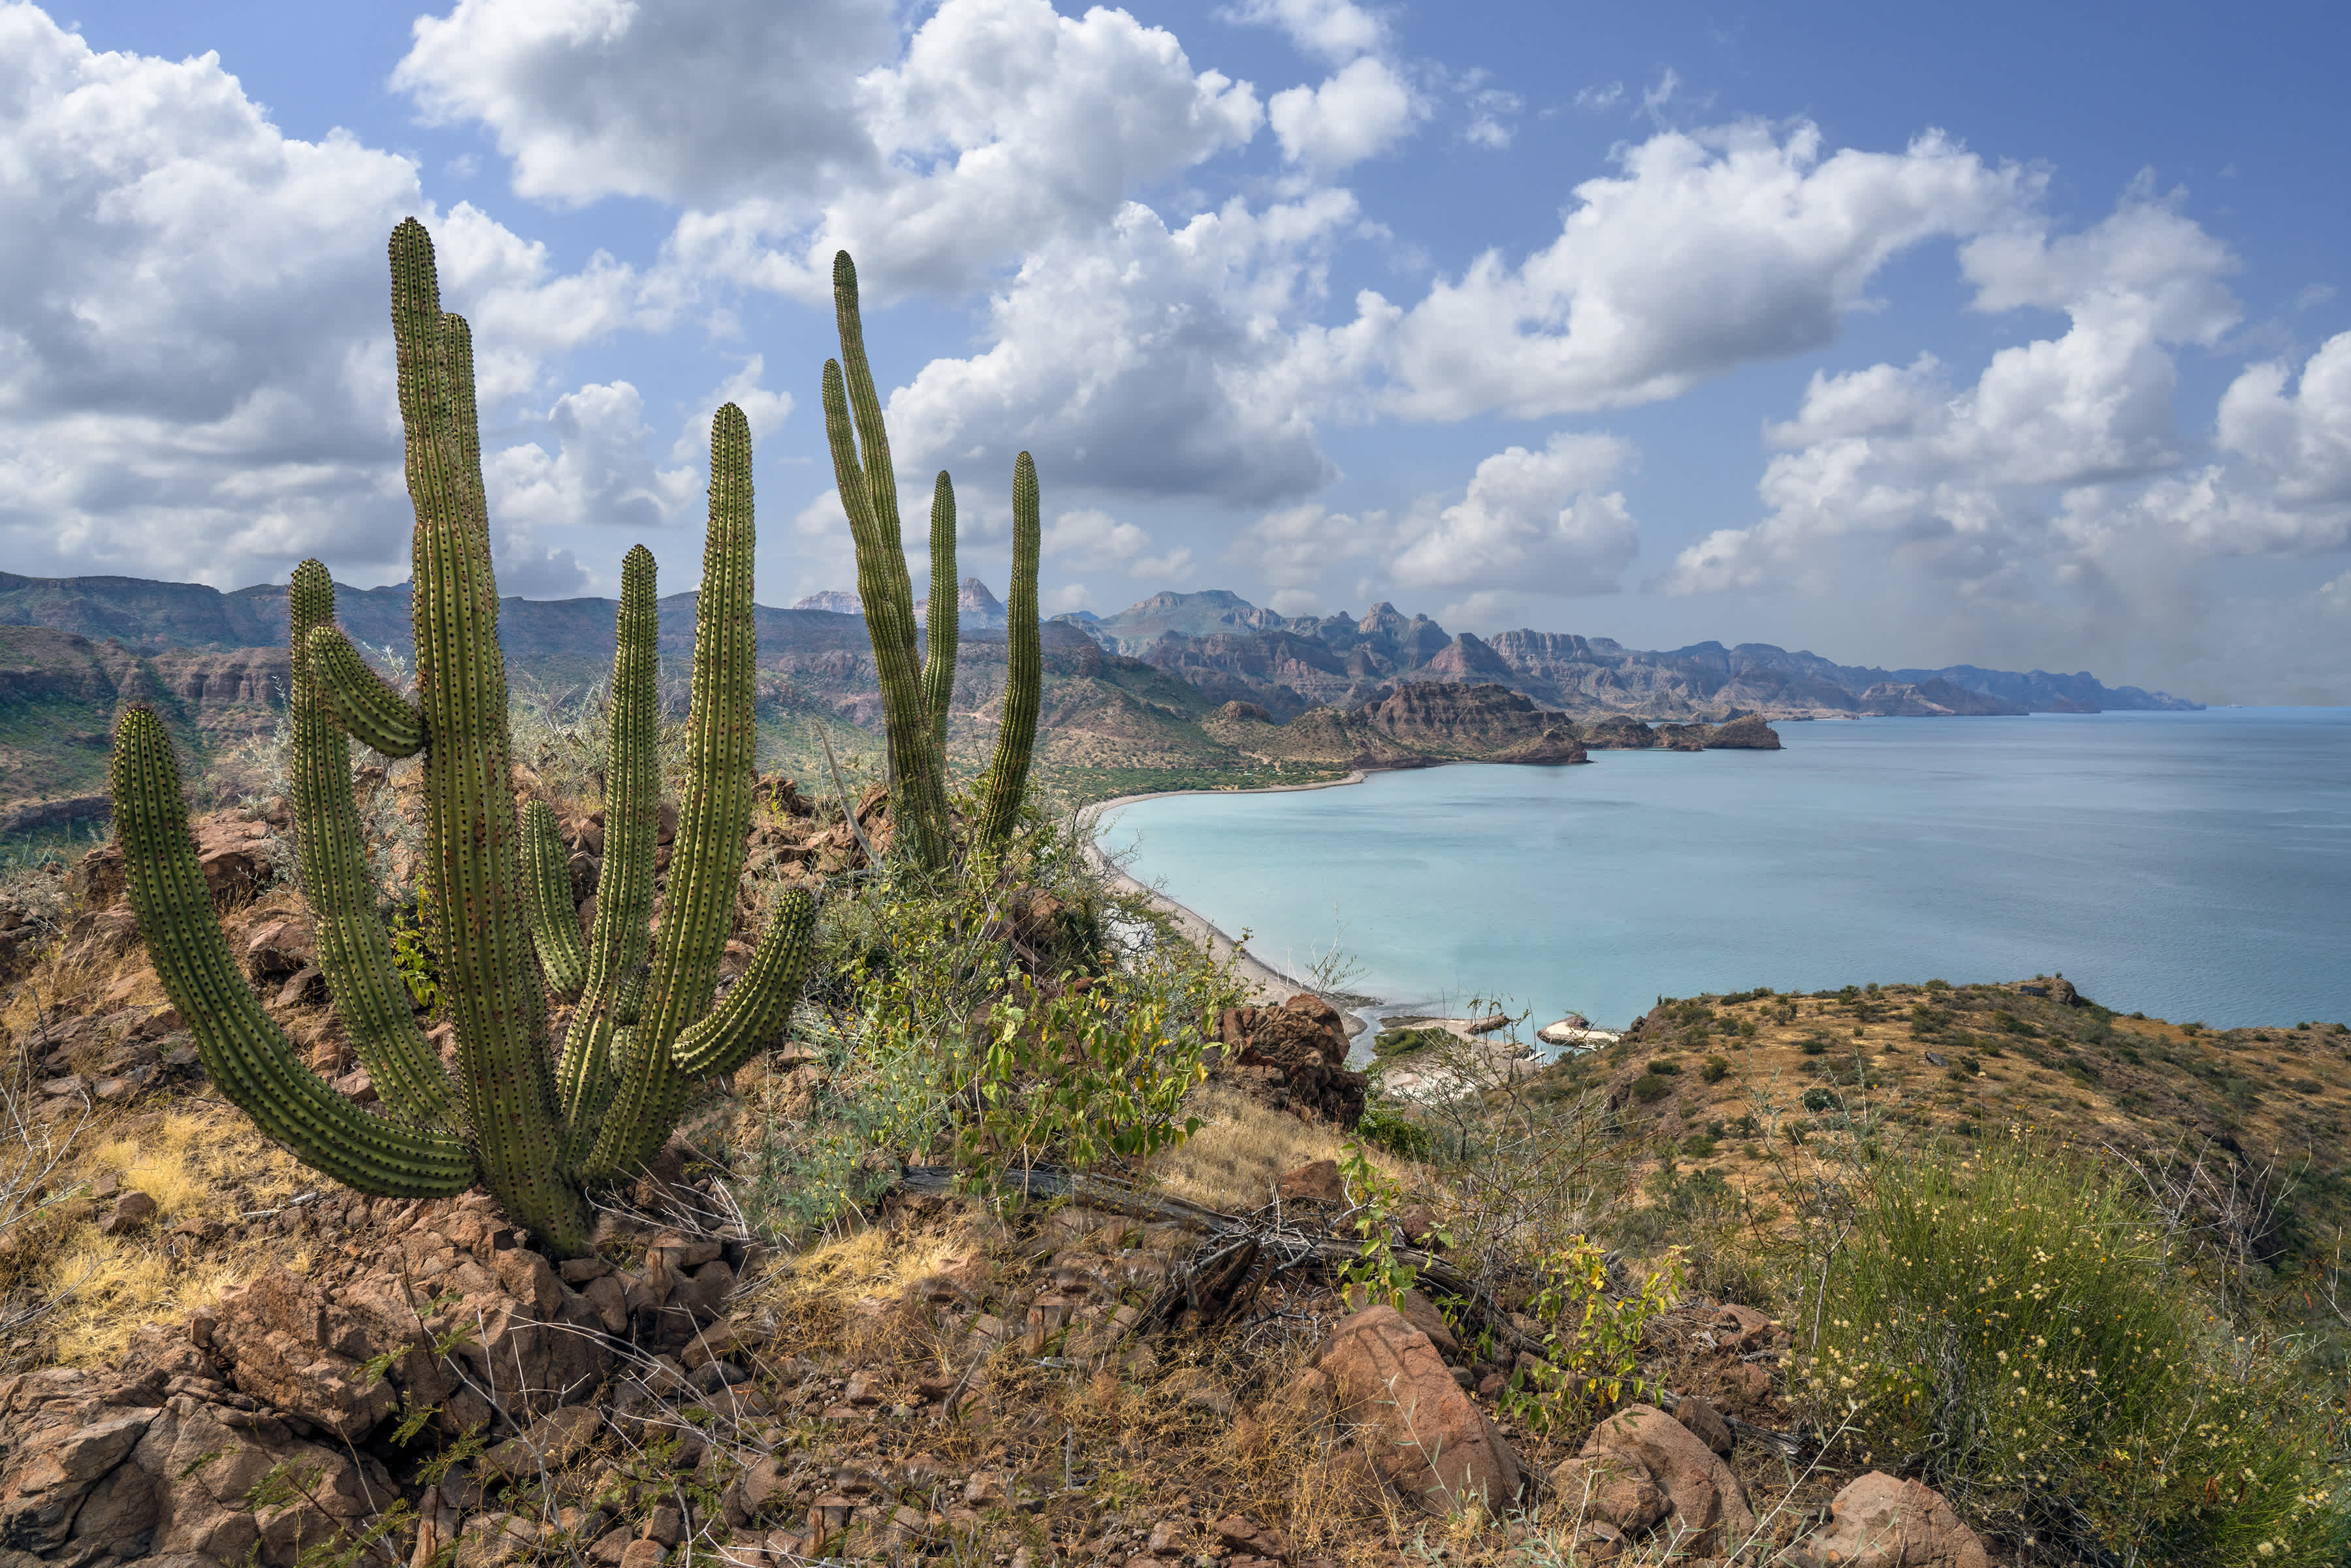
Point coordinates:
pixel 1180 681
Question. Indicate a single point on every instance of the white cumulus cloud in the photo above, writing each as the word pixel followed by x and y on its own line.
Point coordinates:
pixel 1358 113
pixel 1531 522
pixel 1093 540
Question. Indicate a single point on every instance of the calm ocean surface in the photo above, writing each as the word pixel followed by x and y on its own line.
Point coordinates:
pixel 2187 866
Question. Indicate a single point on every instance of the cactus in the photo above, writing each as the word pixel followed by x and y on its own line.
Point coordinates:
pixel 538 1137
pixel 1016 735
pixel 914 704
pixel 938 670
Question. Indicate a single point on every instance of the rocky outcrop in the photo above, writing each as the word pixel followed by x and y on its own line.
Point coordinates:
pixel 1705 1512
pixel 1486 722
pixel 1422 1433
pixel 1293 1058
pixel 1748 734
pixel 1877 1522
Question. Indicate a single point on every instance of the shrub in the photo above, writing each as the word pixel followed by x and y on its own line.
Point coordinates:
pixel 1664 1066
pixel 1820 1099
pixel 2010 1323
pixel 1649 1089
pixel 1716 1069
pixel 1813 1044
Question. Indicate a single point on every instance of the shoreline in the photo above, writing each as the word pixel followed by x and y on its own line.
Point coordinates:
pixel 1268 986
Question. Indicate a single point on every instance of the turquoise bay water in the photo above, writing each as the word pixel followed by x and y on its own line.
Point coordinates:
pixel 2187 865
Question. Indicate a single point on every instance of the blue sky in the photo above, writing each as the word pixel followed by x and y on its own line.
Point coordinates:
pixel 2006 335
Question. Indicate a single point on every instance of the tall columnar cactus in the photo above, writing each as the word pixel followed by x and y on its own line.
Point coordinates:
pixel 939 668
pixel 1016 735
pixel 914 704
pixel 642 1031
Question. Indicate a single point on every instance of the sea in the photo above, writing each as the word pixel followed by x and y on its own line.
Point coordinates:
pixel 2187 866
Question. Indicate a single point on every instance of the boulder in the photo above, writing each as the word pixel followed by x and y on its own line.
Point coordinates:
pixel 278 949
pixel 101 1464
pixel 1706 1502
pixel 285 1344
pixel 1877 1522
pixel 1316 1183
pixel 1422 1434
pixel 1706 1423
pixel 1607 1488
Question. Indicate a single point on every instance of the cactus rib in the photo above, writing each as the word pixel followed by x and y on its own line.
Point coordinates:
pixel 1016 738
pixel 722 746
pixel 869 494
pixel 756 1011
pixel 939 668
pixel 363 702
pixel 547 882
pixel 245 1054
pixel 354 954
pixel 487 978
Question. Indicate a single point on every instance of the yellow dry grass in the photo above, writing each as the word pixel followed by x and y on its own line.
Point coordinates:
pixel 198 1163
pixel 1237 1160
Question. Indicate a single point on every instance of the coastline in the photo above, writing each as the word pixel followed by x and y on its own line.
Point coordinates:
pixel 1267 985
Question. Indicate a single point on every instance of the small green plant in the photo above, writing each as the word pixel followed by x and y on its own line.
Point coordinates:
pixel 1594 1342
pixel 1813 1044
pixel 1390 1129
pixel 1375 1269
pixel 1080 1077
pixel 1714 1069
pixel 1664 1066
pixel 1649 1088
pixel 1821 1099
pixel 413 957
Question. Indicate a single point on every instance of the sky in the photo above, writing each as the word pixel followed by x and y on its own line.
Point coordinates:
pixel 2018 336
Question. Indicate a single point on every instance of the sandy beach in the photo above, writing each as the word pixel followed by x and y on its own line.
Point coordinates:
pixel 1265 983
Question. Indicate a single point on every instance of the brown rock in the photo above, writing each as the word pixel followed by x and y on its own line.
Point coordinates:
pixel 1708 1503
pixel 552 1441
pixel 643 1554
pixel 132 1211
pixel 278 949
pixel 1877 1522
pixel 288 1347
pixel 306 987
pixel 1610 1489
pixel 1707 1422
pixel 1426 1437
pixel 1316 1183
pixel 1742 1329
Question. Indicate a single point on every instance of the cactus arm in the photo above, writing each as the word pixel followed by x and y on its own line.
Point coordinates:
pixel 760 1005
pixel 554 928
pixel 722 745
pixel 1008 776
pixel 939 668
pixel 473 858
pixel 363 702
pixel 354 954
pixel 246 1055
pixel 624 888
pixel 853 419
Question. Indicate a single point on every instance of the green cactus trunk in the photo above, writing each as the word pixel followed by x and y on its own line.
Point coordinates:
pixel 1016 737
pixel 499 884
pixel 939 667
pixel 869 494
pixel 914 703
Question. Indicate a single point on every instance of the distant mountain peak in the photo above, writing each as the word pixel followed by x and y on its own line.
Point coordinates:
pixel 833 602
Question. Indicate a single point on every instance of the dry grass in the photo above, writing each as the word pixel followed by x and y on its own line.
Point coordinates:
pixel 1238 1159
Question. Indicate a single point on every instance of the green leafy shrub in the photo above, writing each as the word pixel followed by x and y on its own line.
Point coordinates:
pixel 1593 1339
pixel 2012 1324
pixel 1716 1069
pixel 1823 1099
pixel 1664 1066
pixel 1649 1089
pixel 1390 1129
pixel 1813 1044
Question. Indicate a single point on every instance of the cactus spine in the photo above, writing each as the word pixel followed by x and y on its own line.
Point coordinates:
pixel 915 709
pixel 535 1137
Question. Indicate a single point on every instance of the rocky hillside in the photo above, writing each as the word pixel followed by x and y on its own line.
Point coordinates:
pixel 1128 694
pixel 1238 652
